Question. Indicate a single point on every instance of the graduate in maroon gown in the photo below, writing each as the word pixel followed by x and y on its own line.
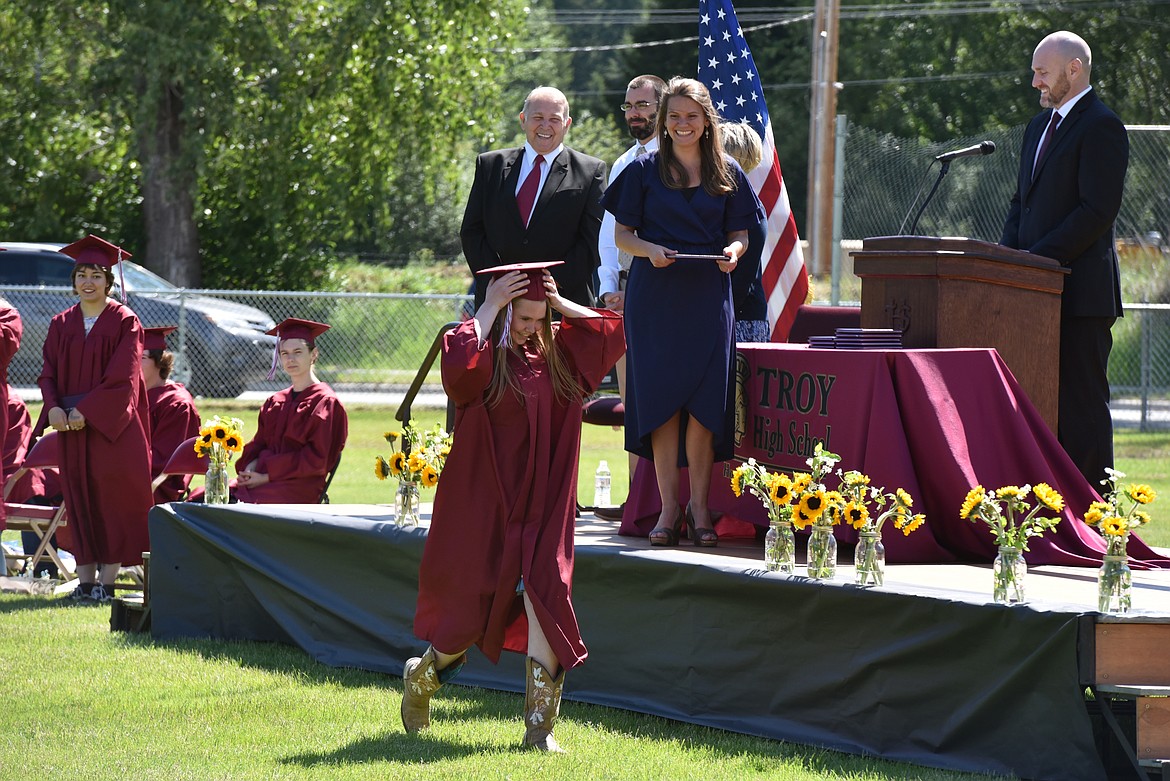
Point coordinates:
pixel 498 564
pixel 94 396
pixel 301 429
pixel 11 329
pixel 30 488
pixel 173 416
pixel 17 441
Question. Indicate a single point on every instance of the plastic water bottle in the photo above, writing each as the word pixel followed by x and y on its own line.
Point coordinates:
pixel 601 480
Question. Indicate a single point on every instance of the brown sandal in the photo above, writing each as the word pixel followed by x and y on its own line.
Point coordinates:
pixel 667 536
pixel 700 537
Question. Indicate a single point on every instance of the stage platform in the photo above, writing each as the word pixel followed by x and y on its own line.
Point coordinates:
pixel 924 669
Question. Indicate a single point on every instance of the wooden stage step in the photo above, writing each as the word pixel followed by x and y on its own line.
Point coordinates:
pixel 1131 663
pixel 1132 651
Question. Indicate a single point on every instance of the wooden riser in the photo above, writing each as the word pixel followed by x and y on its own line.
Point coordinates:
pixel 1132 653
pixel 1153 727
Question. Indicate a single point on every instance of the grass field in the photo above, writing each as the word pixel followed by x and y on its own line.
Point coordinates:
pixel 84 702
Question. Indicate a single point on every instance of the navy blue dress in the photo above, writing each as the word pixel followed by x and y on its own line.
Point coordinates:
pixel 679 319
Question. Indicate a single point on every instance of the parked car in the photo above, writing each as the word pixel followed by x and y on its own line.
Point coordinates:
pixel 224 346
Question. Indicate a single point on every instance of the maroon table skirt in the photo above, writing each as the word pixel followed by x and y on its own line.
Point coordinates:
pixel 933 422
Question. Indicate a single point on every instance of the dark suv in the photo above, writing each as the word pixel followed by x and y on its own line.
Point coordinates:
pixel 224 347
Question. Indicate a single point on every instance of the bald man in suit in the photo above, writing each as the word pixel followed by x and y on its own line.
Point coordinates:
pixel 564 219
pixel 1072 173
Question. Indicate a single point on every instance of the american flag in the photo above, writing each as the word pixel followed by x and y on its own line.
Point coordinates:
pixel 727 68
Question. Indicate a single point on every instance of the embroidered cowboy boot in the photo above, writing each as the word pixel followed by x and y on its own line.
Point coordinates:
pixel 542 705
pixel 420 680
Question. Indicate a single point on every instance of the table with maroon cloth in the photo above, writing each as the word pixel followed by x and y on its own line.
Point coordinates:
pixel 933 422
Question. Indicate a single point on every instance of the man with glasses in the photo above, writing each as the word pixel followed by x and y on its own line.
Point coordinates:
pixel 641 110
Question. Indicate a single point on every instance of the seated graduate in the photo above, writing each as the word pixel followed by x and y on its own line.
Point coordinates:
pixel 301 429
pixel 30 488
pixel 173 416
pixel 498 564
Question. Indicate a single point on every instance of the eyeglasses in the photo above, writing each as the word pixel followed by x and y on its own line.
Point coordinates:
pixel 641 105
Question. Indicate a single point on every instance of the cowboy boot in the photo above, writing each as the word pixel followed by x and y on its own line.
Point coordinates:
pixel 542 705
pixel 420 680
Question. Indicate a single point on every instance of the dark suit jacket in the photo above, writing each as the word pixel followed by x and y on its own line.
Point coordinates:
pixel 564 226
pixel 1067 211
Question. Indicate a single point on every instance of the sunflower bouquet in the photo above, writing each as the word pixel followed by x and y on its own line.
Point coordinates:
pixel 419 458
pixel 870 556
pixel 219 439
pixel 1116 521
pixel 1008 514
pixel 1111 516
pixel 816 506
pixel 418 461
pixel 859 496
pixel 774 490
pixel 1013 521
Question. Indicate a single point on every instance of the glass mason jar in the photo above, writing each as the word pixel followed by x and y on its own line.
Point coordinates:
pixel 780 548
pixel 406 504
pixel 1008 573
pixel 869 559
pixel 215 488
pixel 822 552
pixel 1114 584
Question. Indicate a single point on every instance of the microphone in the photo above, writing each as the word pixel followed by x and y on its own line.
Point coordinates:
pixel 982 148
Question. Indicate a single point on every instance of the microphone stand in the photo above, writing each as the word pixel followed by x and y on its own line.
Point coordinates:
pixel 946 166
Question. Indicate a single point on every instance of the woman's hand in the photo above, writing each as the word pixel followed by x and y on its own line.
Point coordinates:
pixel 501 290
pixel 626 238
pixel 76 420
pixel 563 305
pixel 736 246
pixel 58 419
pixel 252 479
pixel 660 257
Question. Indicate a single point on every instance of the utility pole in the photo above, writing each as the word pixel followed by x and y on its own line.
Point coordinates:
pixel 822 131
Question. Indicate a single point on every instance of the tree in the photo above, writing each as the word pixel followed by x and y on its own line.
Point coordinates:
pixel 259 137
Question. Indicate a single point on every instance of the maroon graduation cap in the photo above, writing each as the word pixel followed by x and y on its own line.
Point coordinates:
pixel 535 290
pixel 96 251
pixel 294 328
pixel 156 338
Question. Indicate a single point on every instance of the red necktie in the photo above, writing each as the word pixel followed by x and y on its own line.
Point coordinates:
pixel 1053 122
pixel 526 197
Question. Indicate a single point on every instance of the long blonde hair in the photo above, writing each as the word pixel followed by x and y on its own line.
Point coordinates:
pixel 565 386
pixel 714 172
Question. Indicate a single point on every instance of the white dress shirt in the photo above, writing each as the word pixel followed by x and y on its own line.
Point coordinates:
pixel 529 160
pixel 607 273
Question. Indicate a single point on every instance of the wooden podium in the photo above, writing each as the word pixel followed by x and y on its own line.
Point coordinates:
pixel 956 292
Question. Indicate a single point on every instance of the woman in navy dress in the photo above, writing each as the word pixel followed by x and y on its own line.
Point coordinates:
pixel 686 199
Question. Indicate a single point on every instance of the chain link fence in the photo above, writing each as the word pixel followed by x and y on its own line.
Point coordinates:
pixel 887 178
pixel 376 343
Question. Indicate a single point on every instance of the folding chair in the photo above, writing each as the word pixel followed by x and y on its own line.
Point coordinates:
pixel 329 479
pixel 42 520
pixel 183 461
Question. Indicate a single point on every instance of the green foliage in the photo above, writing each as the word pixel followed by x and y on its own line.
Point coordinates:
pixel 304 129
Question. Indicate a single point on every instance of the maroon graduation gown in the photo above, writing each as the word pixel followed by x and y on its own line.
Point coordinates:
pixel 506 501
pixel 105 467
pixel 11 329
pixel 173 420
pixel 298 440
pixel 16 446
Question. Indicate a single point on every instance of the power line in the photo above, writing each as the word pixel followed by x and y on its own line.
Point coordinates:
pixel 619 17
pixel 616 16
